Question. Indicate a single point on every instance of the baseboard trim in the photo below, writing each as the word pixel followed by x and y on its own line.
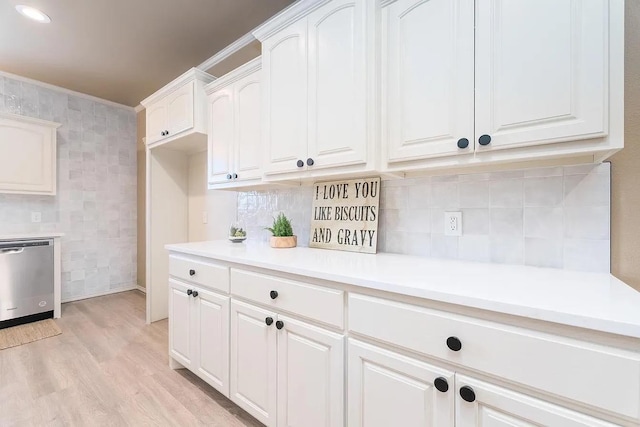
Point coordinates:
pixel 141 289
pixel 101 294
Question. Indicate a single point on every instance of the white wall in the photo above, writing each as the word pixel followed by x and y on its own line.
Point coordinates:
pixel 625 165
pixel 548 217
pixel 220 206
pixel 96 202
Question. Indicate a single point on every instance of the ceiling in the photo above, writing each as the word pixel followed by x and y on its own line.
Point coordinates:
pixel 122 50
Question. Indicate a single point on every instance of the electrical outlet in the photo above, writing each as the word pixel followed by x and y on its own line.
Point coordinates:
pixel 36 216
pixel 205 217
pixel 453 223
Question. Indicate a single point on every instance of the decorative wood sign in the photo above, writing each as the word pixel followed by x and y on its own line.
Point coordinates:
pixel 345 215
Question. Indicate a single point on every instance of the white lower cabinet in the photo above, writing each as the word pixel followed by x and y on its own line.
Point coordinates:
pixel 403 364
pixel 253 361
pixel 554 364
pixel 285 372
pixel 479 404
pixel 310 375
pixel 388 389
pixel 212 339
pixel 199 332
pixel 180 330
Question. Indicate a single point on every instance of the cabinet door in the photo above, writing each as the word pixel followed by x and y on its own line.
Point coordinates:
pixel 156 121
pixel 284 67
pixel 498 407
pixel 337 84
pixel 212 329
pixel 536 87
pixel 388 389
pixel 27 157
pixel 428 78
pixel 220 136
pixel 310 376
pixel 181 339
pixel 248 155
pixel 253 361
pixel 180 109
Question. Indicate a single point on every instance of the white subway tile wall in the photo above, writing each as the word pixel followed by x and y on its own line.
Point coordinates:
pixel 96 202
pixel 547 217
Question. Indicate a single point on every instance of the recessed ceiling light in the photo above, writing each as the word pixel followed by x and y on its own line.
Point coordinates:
pixel 33 13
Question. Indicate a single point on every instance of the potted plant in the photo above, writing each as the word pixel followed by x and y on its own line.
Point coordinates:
pixel 237 233
pixel 282 233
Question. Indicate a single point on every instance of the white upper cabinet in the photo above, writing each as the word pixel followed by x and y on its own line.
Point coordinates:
pixel 235 128
pixel 248 155
pixel 27 155
pixel 156 122
pixel 537 87
pixel 318 71
pixel 178 112
pixel 180 107
pixel 506 91
pixel 337 92
pixel 285 98
pixel 428 86
pixel 220 135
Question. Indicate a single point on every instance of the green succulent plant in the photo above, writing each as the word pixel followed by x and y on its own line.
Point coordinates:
pixel 281 226
pixel 237 232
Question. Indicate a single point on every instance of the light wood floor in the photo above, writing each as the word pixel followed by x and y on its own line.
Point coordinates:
pixel 108 368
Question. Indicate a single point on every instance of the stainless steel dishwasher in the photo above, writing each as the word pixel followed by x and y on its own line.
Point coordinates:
pixel 26 281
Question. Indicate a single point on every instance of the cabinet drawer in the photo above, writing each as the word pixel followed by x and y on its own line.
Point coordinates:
pixel 604 377
pixel 204 273
pixel 314 302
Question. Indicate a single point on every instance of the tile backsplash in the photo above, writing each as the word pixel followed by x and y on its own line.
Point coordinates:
pixel 95 205
pixel 548 217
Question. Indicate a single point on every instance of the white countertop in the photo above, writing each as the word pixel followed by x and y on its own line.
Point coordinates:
pixel 588 300
pixel 26 236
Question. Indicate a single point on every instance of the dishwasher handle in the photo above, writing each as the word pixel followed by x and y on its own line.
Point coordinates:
pixel 23 244
pixel 11 251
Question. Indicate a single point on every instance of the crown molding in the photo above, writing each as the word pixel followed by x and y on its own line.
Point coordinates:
pixel 64 90
pixel 235 75
pixel 31 120
pixel 243 41
pixel 286 17
pixel 188 76
pixel 138 108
